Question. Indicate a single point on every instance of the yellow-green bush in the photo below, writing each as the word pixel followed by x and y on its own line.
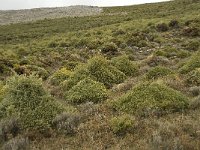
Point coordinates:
pixel 151 96
pixel 191 64
pixel 27 99
pixel 121 124
pixel 97 68
pixel 60 76
pixel 81 72
pixel 158 72
pixel 125 65
pixel 87 90
pixel 104 72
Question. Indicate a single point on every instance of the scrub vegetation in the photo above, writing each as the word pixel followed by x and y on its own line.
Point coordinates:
pixel 125 78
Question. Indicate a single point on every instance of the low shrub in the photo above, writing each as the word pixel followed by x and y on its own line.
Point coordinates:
pixel 191 31
pixel 191 64
pixel 31 69
pixel 171 52
pixel 121 124
pixel 30 102
pixel 9 126
pixel 192 45
pixel 86 90
pixel 66 123
pixel 193 78
pixel 60 76
pixel 195 90
pixel 18 143
pixel 158 72
pixel 155 60
pixel 174 24
pixel 195 103
pixel 125 65
pixel 163 27
pixel 151 96
pixel 109 48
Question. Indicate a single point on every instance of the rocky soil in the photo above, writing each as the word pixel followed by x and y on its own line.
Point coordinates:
pixel 27 15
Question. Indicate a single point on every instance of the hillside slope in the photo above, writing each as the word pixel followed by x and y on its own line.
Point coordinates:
pixel 127 78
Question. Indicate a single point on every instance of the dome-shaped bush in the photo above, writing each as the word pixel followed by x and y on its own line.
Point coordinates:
pixel 157 72
pixel 98 69
pixel 60 76
pixel 151 96
pixel 87 90
pixel 104 72
pixel 125 65
pixel 30 102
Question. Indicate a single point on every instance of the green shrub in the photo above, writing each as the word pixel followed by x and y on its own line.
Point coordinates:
pixel 121 124
pixel 193 78
pixel 86 90
pixel 125 65
pixel 192 45
pixel 158 72
pixel 101 70
pixel 110 48
pixel 151 96
pixel 171 52
pixel 81 72
pixel 30 102
pixel 60 76
pixel 191 64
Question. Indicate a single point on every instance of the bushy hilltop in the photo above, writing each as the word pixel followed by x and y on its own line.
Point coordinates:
pixel 128 78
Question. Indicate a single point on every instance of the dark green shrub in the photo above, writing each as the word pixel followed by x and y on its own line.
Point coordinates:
pixel 153 97
pixel 193 78
pixel 163 27
pixel 53 44
pixel 121 124
pixel 110 48
pixel 86 90
pixel 30 102
pixel 60 76
pixel 174 24
pixel 158 72
pixel 125 65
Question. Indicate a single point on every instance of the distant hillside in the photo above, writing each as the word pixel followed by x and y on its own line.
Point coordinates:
pixel 26 15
